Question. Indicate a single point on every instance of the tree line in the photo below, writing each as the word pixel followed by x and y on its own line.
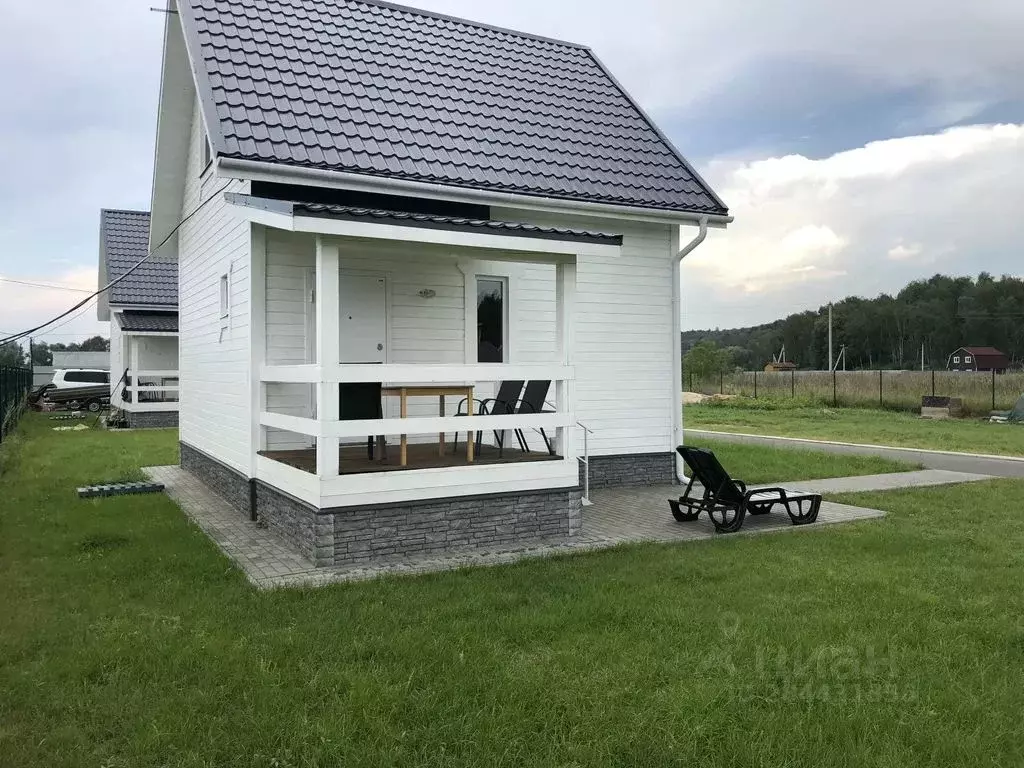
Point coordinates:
pixel 939 315
pixel 14 354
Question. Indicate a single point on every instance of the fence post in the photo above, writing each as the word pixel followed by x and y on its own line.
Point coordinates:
pixel 721 382
pixel 792 383
pixel 690 387
pixel 880 403
pixel 933 382
pixel 993 389
pixel 755 385
pixel 835 398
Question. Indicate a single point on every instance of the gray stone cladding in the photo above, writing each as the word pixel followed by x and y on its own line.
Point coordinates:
pixel 152 420
pixel 228 483
pixel 387 532
pixel 631 469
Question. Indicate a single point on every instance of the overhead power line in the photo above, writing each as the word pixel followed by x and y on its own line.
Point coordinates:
pixel 112 283
pixel 43 285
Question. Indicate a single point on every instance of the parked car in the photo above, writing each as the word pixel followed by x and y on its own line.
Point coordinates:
pixel 69 378
pixel 90 397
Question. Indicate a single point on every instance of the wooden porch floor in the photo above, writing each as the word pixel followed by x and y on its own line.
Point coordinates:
pixel 353 459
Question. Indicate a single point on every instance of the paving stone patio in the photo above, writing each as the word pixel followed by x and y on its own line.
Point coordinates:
pixel 617 516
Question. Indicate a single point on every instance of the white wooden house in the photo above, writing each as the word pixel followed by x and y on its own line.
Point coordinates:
pixel 360 192
pixel 142 308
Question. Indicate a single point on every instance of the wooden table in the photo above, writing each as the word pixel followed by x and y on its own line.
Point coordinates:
pixel 432 390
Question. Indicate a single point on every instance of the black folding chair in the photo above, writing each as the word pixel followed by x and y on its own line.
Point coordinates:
pixel 534 395
pixel 727 501
pixel 502 404
pixel 362 400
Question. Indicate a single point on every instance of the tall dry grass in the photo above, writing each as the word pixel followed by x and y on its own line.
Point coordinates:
pixel 897 390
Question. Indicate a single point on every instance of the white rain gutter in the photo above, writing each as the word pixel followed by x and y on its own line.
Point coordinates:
pixel 677 352
pixel 253 170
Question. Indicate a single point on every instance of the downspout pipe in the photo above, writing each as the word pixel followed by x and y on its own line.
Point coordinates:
pixel 677 352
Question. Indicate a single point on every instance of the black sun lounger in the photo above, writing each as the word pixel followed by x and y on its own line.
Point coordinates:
pixel 728 501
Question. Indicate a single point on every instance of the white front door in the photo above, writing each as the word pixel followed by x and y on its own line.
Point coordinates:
pixel 363 323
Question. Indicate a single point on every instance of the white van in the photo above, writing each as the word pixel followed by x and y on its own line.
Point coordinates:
pixel 67 378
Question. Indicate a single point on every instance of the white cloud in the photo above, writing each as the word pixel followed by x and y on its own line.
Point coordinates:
pixel 902 251
pixel 863 221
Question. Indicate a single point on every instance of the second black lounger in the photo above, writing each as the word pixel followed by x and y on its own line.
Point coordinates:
pixel 727 501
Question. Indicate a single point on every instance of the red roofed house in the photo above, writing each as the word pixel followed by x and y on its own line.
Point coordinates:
pixel 978 359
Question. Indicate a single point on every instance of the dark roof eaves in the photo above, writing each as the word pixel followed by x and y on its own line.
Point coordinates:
pixel 495 188
pixel 723 208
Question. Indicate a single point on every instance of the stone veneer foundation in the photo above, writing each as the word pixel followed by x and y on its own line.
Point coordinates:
pixel 379 532
pixel 631 469
pixel 152 420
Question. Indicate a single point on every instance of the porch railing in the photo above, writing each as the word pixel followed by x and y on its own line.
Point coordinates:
pixel 328 432
pixel 140 393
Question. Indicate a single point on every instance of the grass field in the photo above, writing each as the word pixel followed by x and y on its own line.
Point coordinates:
pixel 892 390
pixel 126 639
pixel 855 425
pixel 757 464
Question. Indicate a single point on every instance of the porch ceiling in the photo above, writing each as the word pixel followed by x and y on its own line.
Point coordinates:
pixel 354 221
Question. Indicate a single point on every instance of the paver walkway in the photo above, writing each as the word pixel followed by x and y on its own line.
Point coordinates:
pixel 617 516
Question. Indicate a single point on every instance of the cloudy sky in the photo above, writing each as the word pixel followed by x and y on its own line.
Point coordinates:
pixel 859 145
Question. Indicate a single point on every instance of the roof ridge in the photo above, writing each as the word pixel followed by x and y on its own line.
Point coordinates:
pixel 124 210
pixel 470 22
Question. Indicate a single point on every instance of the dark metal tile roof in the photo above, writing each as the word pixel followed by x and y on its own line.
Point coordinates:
pixel 371 88
pixel 426 220
pixel 125 238
pixel 160 322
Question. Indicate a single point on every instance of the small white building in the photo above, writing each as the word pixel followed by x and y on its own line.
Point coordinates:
pixel 361 194
pixel 142 308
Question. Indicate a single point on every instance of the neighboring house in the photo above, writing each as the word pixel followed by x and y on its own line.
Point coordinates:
pixel 978 359
pixel 94 360
pixel 780 366
pixel 385 195
pixel 143 312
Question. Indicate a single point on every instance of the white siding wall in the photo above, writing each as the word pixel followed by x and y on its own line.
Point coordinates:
pixel 622 333
pixel 419 330
pixel 158 353
pixel 214 356
pixel 117 365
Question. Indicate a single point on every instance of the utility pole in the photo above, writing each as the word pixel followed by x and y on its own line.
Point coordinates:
pixel 31 362
pixel 830 365
pixel 922 356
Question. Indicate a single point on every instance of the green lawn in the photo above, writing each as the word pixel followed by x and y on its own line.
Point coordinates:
pixel 856 425
pixel 126 639
pixel 758 464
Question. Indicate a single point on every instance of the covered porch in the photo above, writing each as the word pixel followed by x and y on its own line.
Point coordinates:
pixel 149 381
pixel 437 314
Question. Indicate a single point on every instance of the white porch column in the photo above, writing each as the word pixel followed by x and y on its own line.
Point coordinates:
pixel 258 338
pixel 133 346
pixel 565 391
pixel 328 350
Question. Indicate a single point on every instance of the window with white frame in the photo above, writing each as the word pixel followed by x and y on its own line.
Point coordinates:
pixel 967 358
pixel 225 298
pixel 492 319
pixel 956 359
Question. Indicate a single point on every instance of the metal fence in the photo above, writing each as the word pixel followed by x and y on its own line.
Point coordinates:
pixel 897 390
pixel 15 384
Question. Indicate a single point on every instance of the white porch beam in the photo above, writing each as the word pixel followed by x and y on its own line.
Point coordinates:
pixel 328 351
pixel 565 390
pixel 544 248
pixel 257 342
pixel 133 347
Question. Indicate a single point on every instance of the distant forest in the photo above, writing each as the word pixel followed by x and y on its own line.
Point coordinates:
pixel 942 313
